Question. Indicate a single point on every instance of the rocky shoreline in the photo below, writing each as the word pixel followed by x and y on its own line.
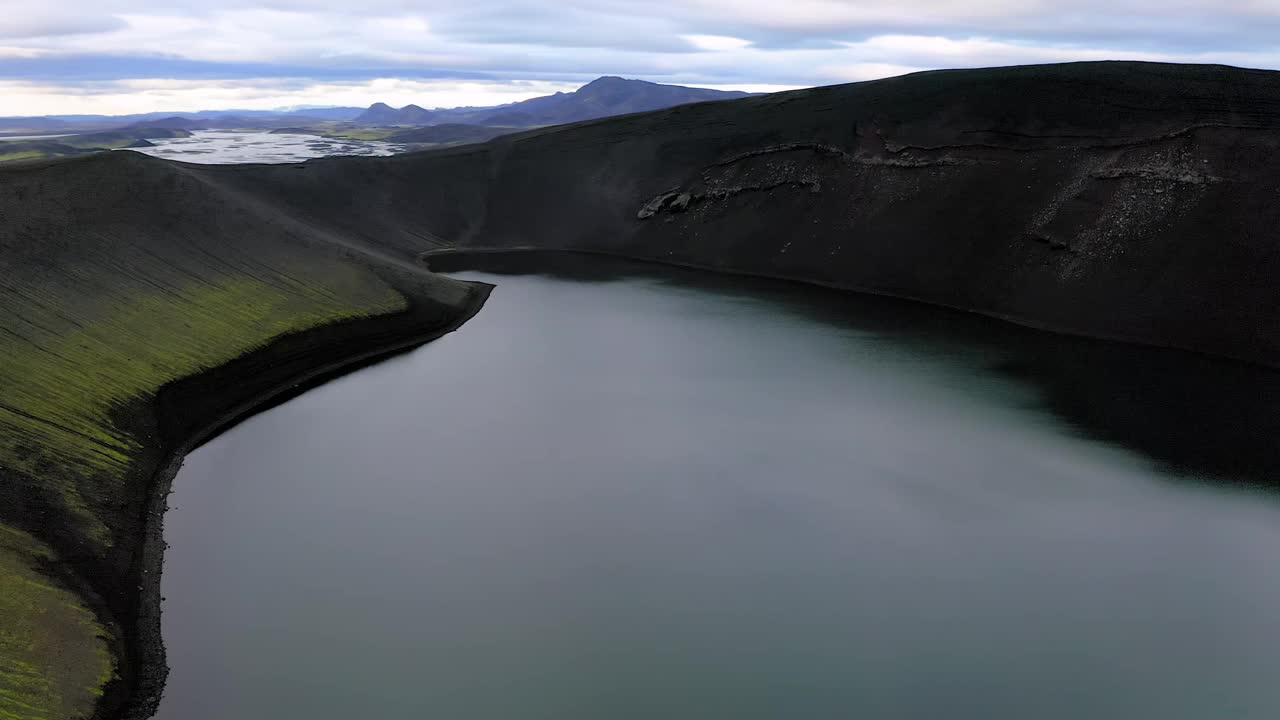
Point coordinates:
pixel 241 389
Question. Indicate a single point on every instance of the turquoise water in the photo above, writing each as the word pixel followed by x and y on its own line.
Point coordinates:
pixel 620 492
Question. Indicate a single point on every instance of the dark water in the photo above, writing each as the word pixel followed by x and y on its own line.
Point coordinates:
pixel 672 496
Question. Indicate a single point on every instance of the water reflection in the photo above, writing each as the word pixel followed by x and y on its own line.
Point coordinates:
pixel 643 493
pixel 1199 417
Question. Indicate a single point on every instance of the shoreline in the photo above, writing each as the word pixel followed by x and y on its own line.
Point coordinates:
pixel 1017 321
pixel 141 636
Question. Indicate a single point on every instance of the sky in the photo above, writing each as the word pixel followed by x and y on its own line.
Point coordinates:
pixel 129 56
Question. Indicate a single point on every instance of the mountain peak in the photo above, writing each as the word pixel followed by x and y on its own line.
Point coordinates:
pixel 384 114
pixel 602 97
pixel 612 80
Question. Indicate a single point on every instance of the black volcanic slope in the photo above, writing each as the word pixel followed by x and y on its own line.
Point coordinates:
pixel 144 301
pixel 1122 200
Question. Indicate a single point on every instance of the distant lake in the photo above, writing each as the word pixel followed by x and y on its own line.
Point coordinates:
pixel 216 147
pixel 626 492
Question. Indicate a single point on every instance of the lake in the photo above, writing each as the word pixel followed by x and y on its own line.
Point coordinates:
pixel 628 492
pixel 218 147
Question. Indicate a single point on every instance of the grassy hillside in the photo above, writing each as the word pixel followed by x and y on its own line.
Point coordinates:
pixel 60 389
pixel 449 134
pixel 60 438
pixel 55 652
pixel 68 145
pixel 105 301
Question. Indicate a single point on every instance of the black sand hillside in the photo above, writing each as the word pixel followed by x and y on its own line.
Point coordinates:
pixel 1124 200
pixel 144 300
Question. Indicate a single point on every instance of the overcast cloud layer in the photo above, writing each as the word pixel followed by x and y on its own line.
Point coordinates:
pixel 119 56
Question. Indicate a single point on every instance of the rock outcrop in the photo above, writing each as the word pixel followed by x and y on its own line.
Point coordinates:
pixel 1132 201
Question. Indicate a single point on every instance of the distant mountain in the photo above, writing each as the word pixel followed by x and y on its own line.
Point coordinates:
pixel 171 123
pixel 319 113
pixel 379 114
pixel 600 98
pixel 30 125
pixel 339 114
pixel 384 114
pixel 196 120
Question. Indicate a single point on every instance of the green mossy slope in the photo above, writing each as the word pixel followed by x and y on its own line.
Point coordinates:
pixel 58 392
pixel 54 658
pixel 105 301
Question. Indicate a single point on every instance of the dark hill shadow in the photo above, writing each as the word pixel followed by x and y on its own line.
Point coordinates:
pixel 1202 418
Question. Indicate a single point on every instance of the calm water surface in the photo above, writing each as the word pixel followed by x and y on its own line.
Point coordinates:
pixel 620 495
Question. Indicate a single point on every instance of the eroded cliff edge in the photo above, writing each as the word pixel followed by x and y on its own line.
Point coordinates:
pixel 1131 201
pixel 144 300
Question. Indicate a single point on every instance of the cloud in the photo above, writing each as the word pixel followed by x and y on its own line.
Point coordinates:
pixel 1028 18
pixel 17 52
pixel 716 42
pixel 35 23
pixel 333 43
pixel 935 51
pixel 137 96
pixel 565 25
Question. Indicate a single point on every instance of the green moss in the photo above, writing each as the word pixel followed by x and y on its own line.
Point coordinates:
pixel 84 340
pixel 67 367
pixel 57 394
pixel 54 659
pixel 112 142
pixel 23 155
